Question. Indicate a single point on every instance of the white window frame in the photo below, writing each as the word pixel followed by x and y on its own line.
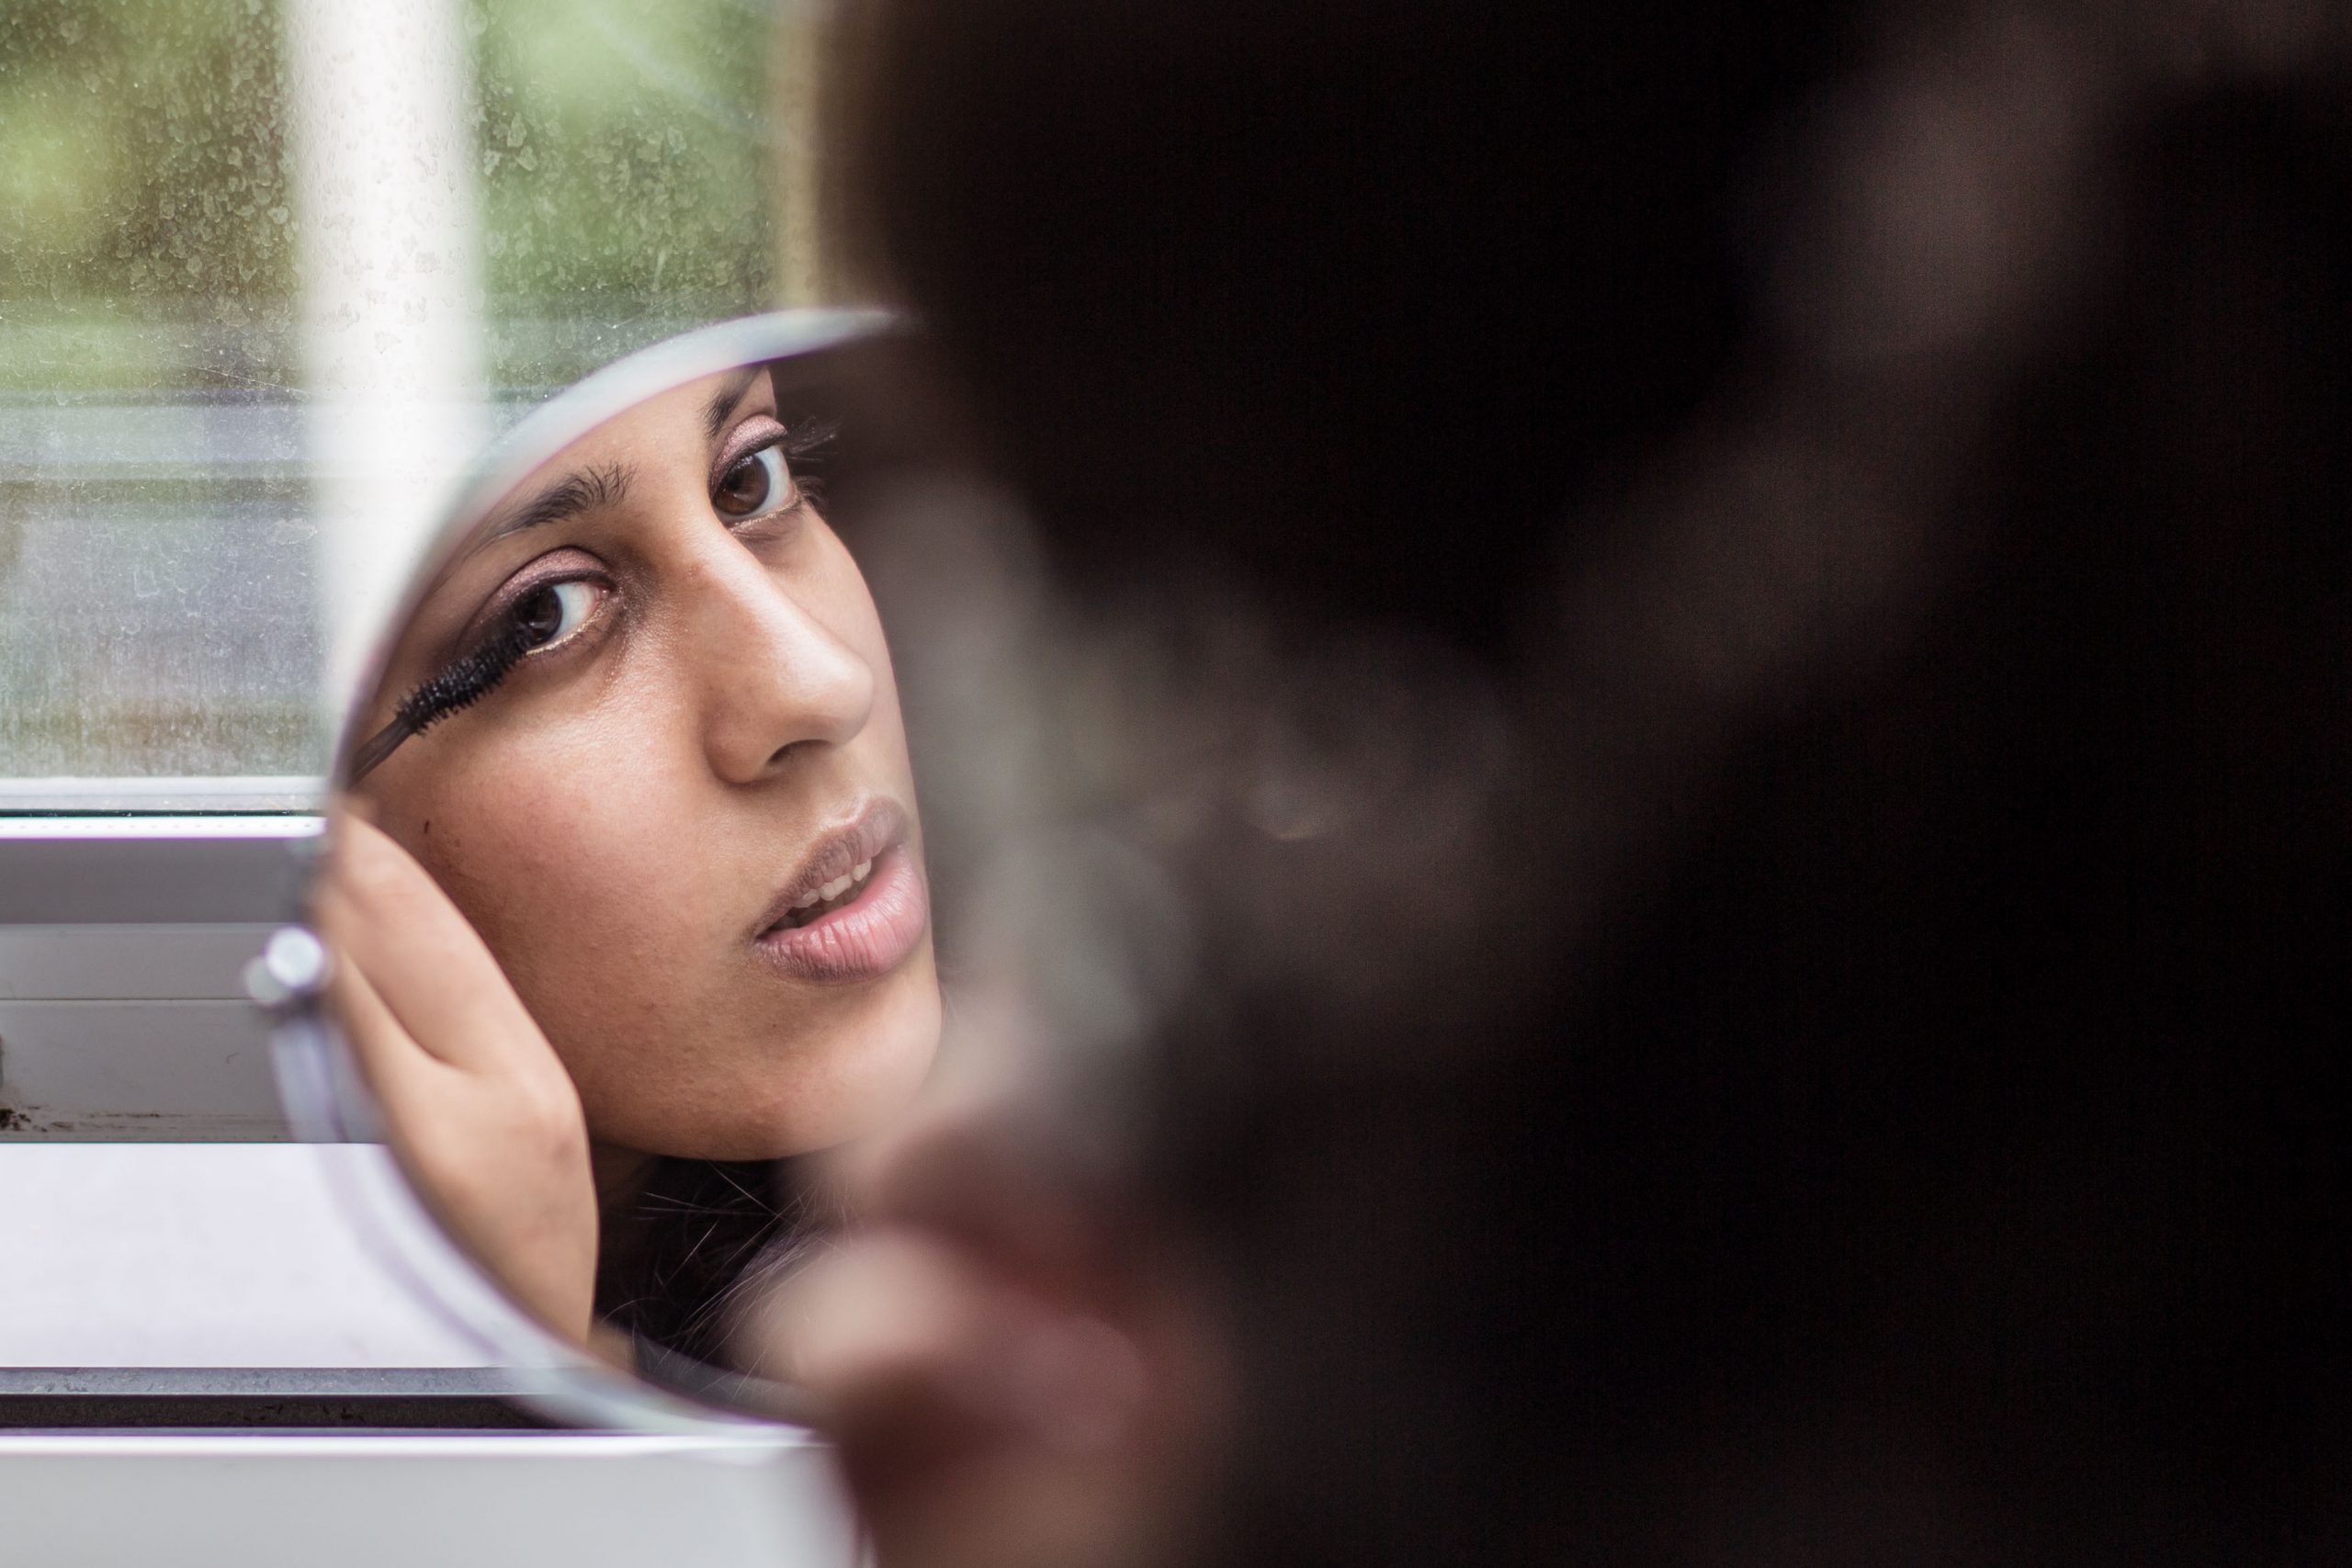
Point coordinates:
pixel 122 945
pixel 455 1500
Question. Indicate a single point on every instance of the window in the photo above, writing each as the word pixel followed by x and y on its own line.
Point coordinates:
pixel 270 271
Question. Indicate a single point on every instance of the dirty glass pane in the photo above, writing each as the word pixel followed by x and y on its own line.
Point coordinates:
pixel 629 181
pixel 162 613
pixel 154 606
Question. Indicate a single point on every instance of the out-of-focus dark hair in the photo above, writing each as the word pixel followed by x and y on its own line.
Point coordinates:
pixel 1885 1100
pixel 1259 280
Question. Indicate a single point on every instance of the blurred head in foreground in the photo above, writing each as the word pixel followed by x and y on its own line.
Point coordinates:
pixel 1664 787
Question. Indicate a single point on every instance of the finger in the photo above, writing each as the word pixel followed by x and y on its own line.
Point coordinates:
pixel 429 967
pixel 384 1048
pixel 982 1173
pixel 883 1334
pixel 396 1069
pixel 962 1409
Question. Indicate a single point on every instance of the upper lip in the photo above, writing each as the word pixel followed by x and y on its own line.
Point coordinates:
pixel 879 826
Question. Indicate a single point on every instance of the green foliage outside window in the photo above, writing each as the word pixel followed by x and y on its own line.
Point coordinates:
pixel 146 208
pixel 157 607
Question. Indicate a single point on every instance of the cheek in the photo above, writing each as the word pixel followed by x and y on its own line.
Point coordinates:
pixel 555 856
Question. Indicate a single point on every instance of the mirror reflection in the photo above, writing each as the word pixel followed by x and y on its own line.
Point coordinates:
pixel 629 896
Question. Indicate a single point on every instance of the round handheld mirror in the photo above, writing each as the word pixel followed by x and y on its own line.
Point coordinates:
pixel 627 913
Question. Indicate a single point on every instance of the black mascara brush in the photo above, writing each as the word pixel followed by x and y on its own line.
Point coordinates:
pixel 459 685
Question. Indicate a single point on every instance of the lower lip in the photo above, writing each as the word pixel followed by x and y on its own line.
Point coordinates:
pixel 862 939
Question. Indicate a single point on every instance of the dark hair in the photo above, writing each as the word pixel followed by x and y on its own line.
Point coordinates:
pixel 693 1245
pixel 1898 1108
pixel 1251 282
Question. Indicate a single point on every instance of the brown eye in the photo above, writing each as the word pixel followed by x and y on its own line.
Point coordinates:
pixel 756 485
pixel 540 617
pixel 554 612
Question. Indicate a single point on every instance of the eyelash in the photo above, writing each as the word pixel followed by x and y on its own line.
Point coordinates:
pixel 469 677
pixel 799 442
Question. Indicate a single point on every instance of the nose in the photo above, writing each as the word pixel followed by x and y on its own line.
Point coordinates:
pixel 773 678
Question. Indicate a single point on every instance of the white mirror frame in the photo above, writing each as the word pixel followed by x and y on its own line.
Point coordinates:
pixel 324 1098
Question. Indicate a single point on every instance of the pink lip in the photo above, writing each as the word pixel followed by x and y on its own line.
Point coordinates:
pixel 870 935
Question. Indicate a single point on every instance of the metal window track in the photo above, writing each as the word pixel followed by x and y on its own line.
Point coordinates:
pixel 276 1398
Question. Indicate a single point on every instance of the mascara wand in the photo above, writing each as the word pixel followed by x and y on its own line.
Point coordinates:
pixel 459 685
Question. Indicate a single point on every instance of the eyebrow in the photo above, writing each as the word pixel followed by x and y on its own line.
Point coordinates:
pixel 566 498
pixel 722 403
pixel 590 488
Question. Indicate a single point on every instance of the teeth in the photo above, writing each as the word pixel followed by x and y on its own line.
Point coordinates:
pixel 836 887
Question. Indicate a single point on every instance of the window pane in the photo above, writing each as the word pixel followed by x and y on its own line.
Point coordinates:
pixel 627 180
pixel 155 614
pixel 167 596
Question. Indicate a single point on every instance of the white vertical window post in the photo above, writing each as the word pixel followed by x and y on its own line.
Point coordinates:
pixel 384 178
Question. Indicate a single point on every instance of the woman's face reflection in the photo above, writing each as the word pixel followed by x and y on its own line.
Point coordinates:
pixel 684 819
